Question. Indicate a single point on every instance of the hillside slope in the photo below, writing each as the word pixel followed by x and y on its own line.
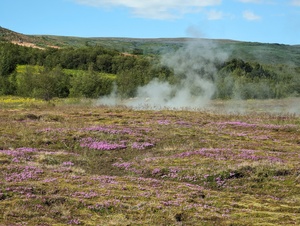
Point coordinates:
pixel 24 40
pixel 264 53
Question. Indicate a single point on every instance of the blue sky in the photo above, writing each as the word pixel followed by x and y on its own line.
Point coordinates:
pixel 268 21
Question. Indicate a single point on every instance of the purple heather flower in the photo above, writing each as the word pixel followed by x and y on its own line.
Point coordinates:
pixel 49 180
pixel 86 195
pixel 74 221
pixel 142 146
pixel 206 176
pixel 163 122
pixel 124 165
pixel 68 164
pixel 155 171
pixel 29 172
pixel 101 145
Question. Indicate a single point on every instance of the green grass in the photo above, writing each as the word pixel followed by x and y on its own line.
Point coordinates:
pixel 83 72
pixel 22 68
pixel 36 68
pixel 170 168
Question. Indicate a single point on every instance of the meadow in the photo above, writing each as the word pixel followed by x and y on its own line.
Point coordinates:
pixel 69 162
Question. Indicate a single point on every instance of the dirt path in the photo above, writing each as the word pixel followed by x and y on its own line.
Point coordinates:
pixel 28 44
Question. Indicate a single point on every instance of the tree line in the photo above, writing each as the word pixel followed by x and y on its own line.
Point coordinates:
pixel 76 72
pixel 91 72
pixel 245 80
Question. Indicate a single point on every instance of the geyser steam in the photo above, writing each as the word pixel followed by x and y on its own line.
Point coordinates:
pixel 195 68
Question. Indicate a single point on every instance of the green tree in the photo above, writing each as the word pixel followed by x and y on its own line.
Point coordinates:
pixel 295 84
pixel 25 82
pixel 45 84
pixel 90 84
pixel 8 60
pixel 104 63
pixel 126 84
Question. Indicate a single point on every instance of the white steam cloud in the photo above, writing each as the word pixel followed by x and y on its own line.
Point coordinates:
pixel 155 9
pixel 195 69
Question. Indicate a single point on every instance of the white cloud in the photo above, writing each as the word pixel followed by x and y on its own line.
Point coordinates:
pixel 215 15
pixel 155 9
pixel 295 2
pixel 249 15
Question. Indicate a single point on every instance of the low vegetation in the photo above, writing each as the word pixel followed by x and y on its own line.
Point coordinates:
pixel 68 162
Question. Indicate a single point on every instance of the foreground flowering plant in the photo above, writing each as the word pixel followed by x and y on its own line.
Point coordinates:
pixel 86 165
pixel 101 145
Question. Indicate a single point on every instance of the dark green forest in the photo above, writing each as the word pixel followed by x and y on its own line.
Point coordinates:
pixel 92 71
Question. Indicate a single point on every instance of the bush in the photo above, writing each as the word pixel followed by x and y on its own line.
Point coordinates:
pixel 90 84
pixel 45 84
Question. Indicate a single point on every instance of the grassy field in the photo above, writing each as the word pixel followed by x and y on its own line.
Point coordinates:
pixel 68 162
pixel 37 69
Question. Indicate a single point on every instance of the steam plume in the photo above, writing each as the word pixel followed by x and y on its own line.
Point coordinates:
pixel 195 67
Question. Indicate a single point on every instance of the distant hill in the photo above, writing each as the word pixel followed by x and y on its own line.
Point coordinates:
pixel 264 53
pixel 24 40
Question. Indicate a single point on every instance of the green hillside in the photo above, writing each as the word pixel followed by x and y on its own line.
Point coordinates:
pixel 7 35
pixel 249 51
pixel 265 53
pixel 78 67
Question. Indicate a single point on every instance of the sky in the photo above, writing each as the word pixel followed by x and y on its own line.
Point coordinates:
pixel 267 21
